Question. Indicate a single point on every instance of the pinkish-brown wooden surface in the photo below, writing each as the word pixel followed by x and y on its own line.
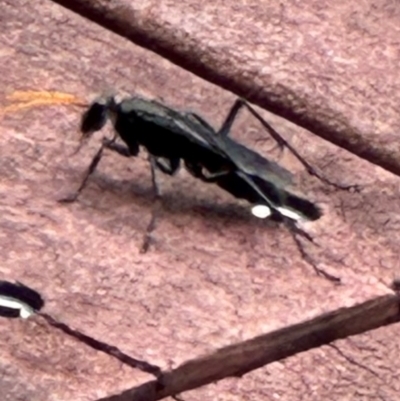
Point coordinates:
pixel 214 275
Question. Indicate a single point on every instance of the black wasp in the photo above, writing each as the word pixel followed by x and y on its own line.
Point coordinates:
pixel 172 136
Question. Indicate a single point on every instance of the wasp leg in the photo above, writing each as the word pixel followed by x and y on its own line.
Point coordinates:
pixel 231 117
pixel 283 143
pixel 229 120
pixel 122 150
pixel 198 171
pixel 147 238
pixel 167 166
pixel 107 143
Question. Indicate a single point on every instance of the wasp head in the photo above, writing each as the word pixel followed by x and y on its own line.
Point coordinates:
pixel 95 117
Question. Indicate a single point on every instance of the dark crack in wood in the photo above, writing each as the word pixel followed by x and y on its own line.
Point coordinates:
pixel 352 361
pixel 293 229
pixel 103 347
